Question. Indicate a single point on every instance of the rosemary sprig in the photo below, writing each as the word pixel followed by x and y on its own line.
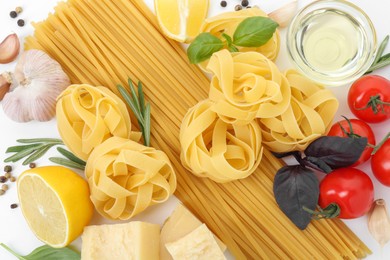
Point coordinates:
pixel 380 61
pixel 140 109
pixel 33 149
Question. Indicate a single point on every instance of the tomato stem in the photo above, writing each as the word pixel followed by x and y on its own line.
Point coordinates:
pixel 379 145
pixel 331 211
pixel 374 103
pixel 350 133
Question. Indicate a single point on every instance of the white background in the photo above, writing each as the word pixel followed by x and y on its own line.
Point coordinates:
pixel 13 229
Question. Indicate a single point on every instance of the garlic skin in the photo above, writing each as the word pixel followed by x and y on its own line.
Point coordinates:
pixel 9 48
pixel 36 83
pixel 379 222
pixel 4 86
pixel 284 14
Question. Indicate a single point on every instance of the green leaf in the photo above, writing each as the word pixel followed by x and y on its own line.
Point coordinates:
pixel 70 156
pixel 47 253
pixel 229 39
pixel 40 140
pixel 233 49
pixel 134 95
pixel 254 31
pixel 129 101
pixel 19 155
pixel 147 125
pixel 380 64
pixel 141 98
pixel 18 148
pixel 203 46
pixel 37 154
pixel 67 163
pixel 381 49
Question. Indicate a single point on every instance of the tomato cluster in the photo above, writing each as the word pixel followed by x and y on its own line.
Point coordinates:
pixel 351 189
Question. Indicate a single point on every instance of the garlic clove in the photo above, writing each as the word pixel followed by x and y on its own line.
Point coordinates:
pixel 284 14
pixel 9 48
pixel 379 222
pixel 4 86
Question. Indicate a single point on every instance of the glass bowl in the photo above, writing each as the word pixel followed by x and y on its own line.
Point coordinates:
pixel 332 42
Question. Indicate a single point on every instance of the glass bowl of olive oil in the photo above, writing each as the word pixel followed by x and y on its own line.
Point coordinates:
pixel 332 42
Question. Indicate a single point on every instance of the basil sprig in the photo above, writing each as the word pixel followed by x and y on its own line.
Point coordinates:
pixel 251 32
pixel 46 252
pixel 296 188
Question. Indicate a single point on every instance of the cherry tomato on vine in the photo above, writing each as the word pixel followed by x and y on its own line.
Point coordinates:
pixel 355 128
pixel 369 98
pixel 351 189
pixel 380 163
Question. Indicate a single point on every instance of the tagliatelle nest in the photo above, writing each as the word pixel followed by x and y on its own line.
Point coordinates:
pixel 87 115
pixel 309 116
pixel 126 177
pixel 246 86
pixel 218 150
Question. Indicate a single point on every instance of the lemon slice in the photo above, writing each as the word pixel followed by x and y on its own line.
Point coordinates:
pixel 55 203
pixel 181 20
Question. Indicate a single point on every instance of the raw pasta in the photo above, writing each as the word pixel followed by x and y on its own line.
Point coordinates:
pixel 310 115
pixel 103 42
pixel 126 177
pixel 246 86
pixel 216 149
pixel 87 115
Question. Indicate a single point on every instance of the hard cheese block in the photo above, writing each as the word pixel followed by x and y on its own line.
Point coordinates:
pixel 178 225
pixel 133 240
pixel 198 245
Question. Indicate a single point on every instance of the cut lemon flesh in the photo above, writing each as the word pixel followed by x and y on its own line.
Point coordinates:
pixel 55 203
pixel 181 20
pixel 44 210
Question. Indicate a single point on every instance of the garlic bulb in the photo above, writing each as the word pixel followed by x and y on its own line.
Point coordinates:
pixel 379 222
pixel 35 85
pixel 284 14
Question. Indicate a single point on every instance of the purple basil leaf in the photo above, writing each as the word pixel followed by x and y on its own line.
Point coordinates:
pixel 296 187
pixel 332 152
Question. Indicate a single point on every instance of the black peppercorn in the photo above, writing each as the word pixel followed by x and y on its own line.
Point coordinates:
pixel 32 165
pixel 3 179
pixel 244 3
pixel 238 7
pixel 21 22
pixel 223 3
pixel 13 14
pixel 14 206
pixel 8 168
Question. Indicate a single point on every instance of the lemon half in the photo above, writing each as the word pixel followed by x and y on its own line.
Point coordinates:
pixel 55 203
pixel 181 20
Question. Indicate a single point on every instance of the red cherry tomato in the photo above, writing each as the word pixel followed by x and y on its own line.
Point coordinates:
pixel 369 98
pixel 351 189
pixel 359 129
pixel 380 163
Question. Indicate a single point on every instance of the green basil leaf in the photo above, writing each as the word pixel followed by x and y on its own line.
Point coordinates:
pixel 48 253
pixel 296 188
pixel 203 46
pixel 254 31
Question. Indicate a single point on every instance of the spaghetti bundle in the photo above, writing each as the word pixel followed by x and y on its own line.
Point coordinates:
pixel 103 42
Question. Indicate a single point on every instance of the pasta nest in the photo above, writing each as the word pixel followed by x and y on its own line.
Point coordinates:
pixel 246 86
pixel 308 117
pixel 126 177
pixel 87 115
pixel 228 22
pixel 212 148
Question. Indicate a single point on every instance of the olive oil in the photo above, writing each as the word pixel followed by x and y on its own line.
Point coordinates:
pixel 331 41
